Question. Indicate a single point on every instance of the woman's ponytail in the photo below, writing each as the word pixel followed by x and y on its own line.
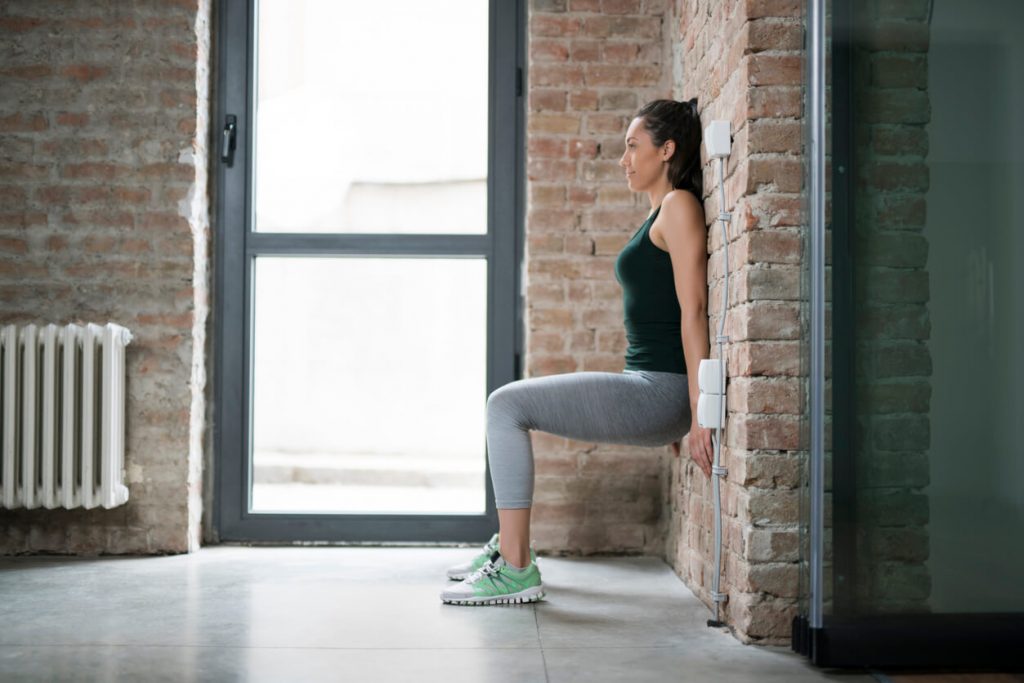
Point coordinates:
pixel 680 122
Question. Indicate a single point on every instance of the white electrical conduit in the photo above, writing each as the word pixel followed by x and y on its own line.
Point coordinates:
pixel 711 375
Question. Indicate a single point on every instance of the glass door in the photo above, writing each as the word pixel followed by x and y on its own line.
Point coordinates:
pixel 368 243
pixel 913 511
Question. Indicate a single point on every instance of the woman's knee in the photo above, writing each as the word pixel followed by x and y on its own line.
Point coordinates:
pixel 502 399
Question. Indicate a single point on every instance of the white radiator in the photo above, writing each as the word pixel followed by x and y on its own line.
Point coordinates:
pixel 62 415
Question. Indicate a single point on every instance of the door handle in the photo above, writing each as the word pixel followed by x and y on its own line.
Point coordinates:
pixel 227 145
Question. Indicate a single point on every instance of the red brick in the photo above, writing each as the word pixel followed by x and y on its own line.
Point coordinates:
pixel 622 75
pixel 613 218
pixel 552 25
pixel 159 221
pixel 580 148
pixel 76 147
pixel 85 72
pixel 555 269
pixel 556 75
pixel 550 170
pixel 69 118
pixel 558 218
pixel 581 100
pixel 178 98
pixel 21 122
pixel 559 318
pixel 22 219
pixel 10 195
pixel 581 196
pixel 23 171
pixel 168 171
pixel 899 70
pixel 621 53
pixel 542 365
pixel 755 9
pixel 586 51
pixel 549 51
pixel 774 102
pixel 56 243
pixel 553 123
pixel 547 195
pixel 547 100
pixel 889 176
pixel 775 69
pixel 607 123
pixel 546 147
pixel 115 219
pixel 897 36
pixel 774 135
pixel 781 173
pixel 29 71
pixel 102 171
pixel 620 6
pixel 186 50
pixel 774 35
pixel 13 245
pixel 579 244
pixel 16 24
pixel 614 26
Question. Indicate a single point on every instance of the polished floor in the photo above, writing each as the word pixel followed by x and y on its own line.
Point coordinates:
pixel 231 613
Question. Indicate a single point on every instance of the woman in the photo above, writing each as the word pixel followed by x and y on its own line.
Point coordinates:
pixel 663 273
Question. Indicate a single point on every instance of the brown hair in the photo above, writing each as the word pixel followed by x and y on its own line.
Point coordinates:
pixel 668 120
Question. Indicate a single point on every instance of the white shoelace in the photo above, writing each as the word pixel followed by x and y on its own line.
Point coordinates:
pixel 487 569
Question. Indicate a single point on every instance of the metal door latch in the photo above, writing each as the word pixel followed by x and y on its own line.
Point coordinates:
pixel 227 146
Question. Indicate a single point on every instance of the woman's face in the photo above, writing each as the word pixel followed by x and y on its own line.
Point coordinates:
pixel 643 162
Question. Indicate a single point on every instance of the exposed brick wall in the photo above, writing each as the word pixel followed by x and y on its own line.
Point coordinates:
pixel 591 65
pixel 746 59
pixel 103 184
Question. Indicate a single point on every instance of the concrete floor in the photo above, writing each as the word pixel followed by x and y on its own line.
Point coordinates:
pixel 230 613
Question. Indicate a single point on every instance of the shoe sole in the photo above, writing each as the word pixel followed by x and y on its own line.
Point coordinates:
pixel 529 595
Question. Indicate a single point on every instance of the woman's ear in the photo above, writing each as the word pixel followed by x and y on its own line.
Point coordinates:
pixel 670 146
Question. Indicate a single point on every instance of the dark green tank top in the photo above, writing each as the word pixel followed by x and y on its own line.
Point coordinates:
pixel 651 307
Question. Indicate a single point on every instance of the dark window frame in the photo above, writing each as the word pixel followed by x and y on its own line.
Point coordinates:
pixel 236 245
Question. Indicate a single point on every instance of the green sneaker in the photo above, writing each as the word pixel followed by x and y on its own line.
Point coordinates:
pixel 461 571
pixel 497 582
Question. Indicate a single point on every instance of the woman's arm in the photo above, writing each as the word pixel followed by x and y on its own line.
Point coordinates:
pixel 683 229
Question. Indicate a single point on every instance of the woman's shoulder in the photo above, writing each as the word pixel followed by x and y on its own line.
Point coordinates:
pixel 680 201
pixel 678 206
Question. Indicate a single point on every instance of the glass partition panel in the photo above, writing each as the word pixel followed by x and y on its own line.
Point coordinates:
pixel 924 312
pixel 938 234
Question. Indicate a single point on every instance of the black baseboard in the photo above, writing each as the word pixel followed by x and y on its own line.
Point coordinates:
pixel 992 641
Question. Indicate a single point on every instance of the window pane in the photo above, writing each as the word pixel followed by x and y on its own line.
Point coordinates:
pixel 369 385
pixel 371 117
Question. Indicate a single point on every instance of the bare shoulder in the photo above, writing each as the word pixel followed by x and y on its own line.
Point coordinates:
pixel 678 208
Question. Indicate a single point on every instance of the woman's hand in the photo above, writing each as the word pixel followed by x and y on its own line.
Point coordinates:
pixel 701 449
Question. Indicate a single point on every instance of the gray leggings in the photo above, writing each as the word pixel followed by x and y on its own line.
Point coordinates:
pixel 634 407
